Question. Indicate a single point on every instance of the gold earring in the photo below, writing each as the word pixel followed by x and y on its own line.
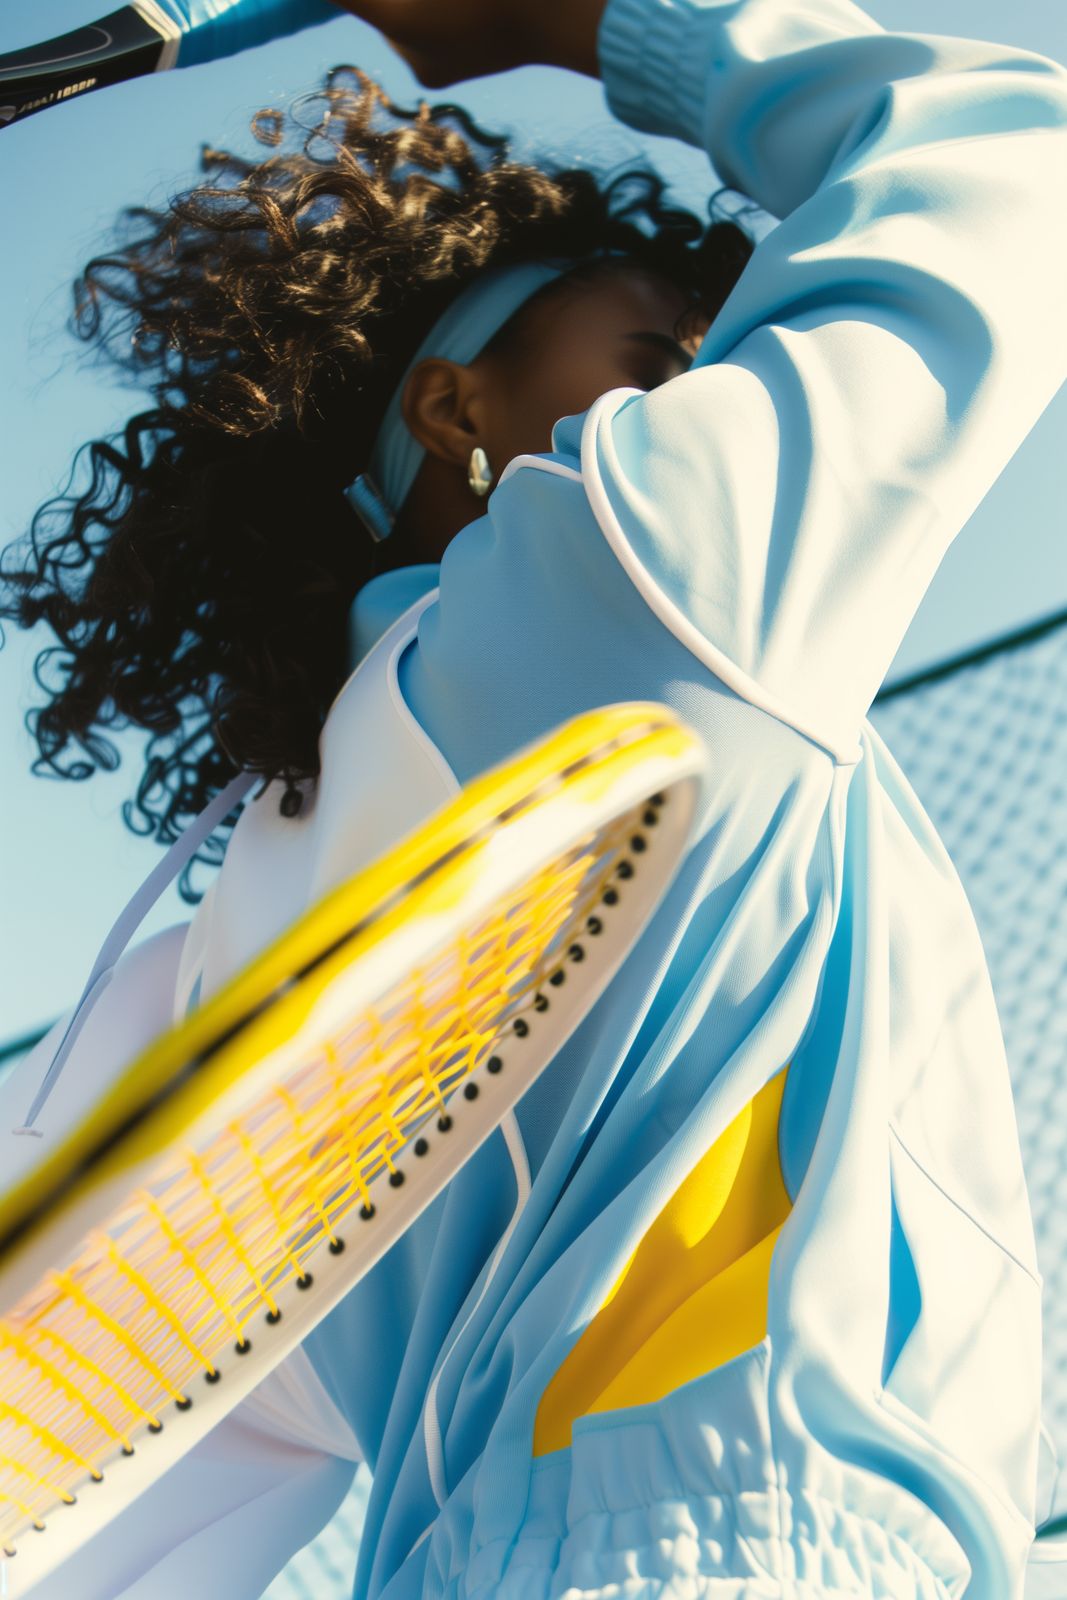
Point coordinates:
pixel 479 473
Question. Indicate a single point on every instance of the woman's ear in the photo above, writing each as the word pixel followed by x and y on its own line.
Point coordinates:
pixel 442 406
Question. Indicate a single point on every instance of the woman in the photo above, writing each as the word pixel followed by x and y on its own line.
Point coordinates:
pixel 742 1299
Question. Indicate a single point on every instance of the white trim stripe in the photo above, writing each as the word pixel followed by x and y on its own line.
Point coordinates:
pixel 671 615
pixel 403 710
pixel 166 27
pixel 539 464
pixel 431 1424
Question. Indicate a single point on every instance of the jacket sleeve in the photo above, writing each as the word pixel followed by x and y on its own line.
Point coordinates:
pixel 784 504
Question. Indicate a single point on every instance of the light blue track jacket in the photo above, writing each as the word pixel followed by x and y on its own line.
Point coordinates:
pixel 747 543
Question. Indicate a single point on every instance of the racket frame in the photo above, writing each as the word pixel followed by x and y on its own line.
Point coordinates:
pixel 457 867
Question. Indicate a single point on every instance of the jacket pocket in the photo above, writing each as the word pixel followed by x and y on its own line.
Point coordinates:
pixel 963 1341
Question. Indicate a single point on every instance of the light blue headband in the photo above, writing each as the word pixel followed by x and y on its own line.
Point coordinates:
pixel 460 334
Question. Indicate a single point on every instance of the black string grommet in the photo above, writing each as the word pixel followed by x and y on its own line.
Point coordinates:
pixel 557 977
pixel 184 1404
pixel 522 1027
pixel 625 869
pixel 366 1212
pixel 304 1281
pixel 209 1377
pixel 335 1246
pixel 638 843
pixel 273 1317
pixel 494 1064
pixel 396 1178
pixel 38 1527
pixel 470 1091
pixel 444 1123
pixel 657 799
pixel 243 1346
pixel 540 1002
pixel 155 1427
pixel 96 1476
pixel 421 1146
pixel 593 925
pixel 576 952
pixel 127 1449
pixel 650 818
pixel 610 897
pixel 10 1551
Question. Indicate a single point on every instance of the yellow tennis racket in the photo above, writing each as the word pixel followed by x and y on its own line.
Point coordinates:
pixel 244 1172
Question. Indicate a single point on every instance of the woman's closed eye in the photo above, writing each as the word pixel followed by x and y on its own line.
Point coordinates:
pixel 670 359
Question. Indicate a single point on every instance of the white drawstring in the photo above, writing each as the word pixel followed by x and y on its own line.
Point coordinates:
pixel 431 1422
pixel 128 921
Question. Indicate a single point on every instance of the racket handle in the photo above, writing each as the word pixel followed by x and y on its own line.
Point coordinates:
pixel 145 37
pixel 211 29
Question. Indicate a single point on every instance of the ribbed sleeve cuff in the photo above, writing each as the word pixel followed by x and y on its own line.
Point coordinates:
pixel 655 61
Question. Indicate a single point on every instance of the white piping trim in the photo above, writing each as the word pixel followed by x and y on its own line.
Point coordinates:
pixel 193 954
pixel 431 1425
pixel 417 607
pixel 423 1536
pixel 166 27
pixel 539 464
pixel 664 607
pixel 403 710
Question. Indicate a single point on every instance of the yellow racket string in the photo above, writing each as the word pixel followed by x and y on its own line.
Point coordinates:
pixel 349 1129
pixel 21 1470
pixel 179 1271
pixel 79 1361
pixel 53 1375
pixel 228 1227
pixel 96 1313
pixel 24 1505
pixel 259 1167
pixel 189 1261
pixel 157 1302
pixel 50 1442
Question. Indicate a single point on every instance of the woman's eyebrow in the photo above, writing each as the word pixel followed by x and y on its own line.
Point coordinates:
pixel 664 342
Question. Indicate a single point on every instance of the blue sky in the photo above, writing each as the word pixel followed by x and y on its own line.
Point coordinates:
pixel 67 864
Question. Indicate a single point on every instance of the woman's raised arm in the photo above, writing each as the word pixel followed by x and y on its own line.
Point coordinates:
pixel 783 505
pixel 464 39
pixel 884 354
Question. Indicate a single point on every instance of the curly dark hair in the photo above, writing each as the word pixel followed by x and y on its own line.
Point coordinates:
pixel 198 586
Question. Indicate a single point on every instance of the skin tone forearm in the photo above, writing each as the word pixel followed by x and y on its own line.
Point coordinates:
pixel 450 43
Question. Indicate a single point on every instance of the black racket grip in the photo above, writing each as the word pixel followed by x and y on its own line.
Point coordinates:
pixel 119 46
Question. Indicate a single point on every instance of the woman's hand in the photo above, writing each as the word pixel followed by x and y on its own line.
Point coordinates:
pixel 448 41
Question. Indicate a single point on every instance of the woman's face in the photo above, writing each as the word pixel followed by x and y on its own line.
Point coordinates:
pixel 624 327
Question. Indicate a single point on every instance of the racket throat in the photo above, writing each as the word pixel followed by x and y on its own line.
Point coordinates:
pixel 127 43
